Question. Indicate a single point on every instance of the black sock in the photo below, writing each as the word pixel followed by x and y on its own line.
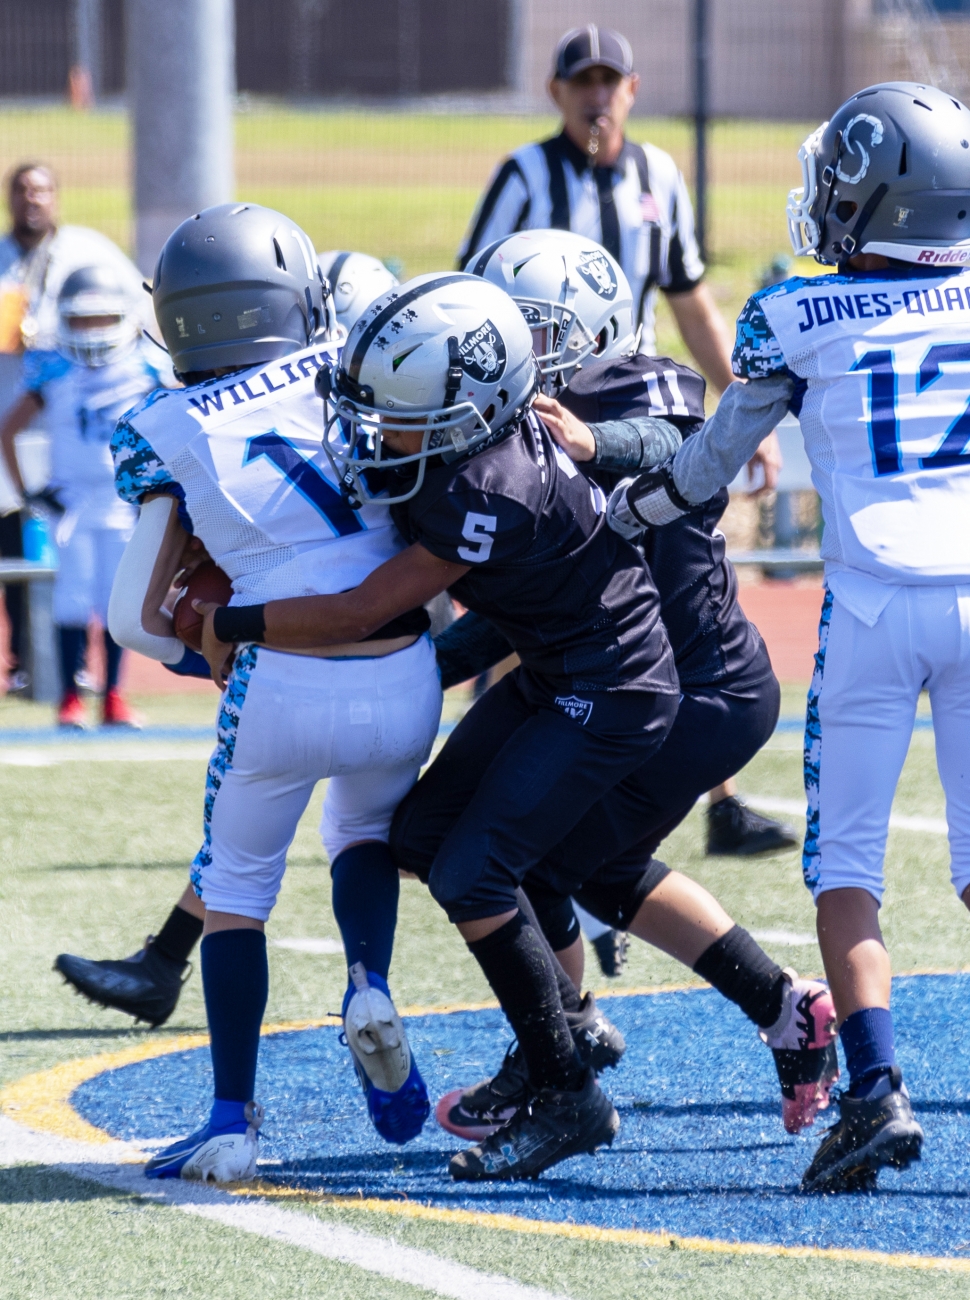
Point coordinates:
pixel 72 645
pixel 112 654
pixel 179 935
pixel 737 967
pixel 569 994
pixel 515 964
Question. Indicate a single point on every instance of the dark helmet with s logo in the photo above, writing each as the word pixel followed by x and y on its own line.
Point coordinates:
pixel 889 174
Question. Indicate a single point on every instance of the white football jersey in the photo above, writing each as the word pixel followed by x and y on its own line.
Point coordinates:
pixel 244 456
pixel 882 369
pixel 81 407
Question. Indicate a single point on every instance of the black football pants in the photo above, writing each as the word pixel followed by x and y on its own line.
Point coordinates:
pixel 519 771
pixel 605 861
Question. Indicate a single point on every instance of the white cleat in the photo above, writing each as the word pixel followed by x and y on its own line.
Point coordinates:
pixel 375 1035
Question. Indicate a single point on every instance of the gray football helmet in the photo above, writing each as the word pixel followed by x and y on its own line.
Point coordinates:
pixel 889 174
pixel 235 285
pixel 574 296
pixel 356 280
pixel 446 353
pixel 94 292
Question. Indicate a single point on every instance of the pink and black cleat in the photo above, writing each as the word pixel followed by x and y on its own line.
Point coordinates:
pixel 802 1041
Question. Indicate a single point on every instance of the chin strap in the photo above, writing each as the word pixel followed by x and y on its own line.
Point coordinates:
pixel 454 375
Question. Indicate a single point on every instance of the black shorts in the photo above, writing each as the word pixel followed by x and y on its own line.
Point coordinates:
pixel 518 772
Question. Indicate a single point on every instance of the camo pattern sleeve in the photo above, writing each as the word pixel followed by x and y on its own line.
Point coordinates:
pixel 757 352
pixel 139 471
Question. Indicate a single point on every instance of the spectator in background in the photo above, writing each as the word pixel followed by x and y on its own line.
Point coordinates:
pixel 36 257
pixel 631 198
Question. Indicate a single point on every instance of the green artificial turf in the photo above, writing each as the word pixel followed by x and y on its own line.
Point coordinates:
pixel 94 855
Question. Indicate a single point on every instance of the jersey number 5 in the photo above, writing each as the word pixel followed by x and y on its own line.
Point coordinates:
pixel 476 529
pixel 884 439
pixel 306 478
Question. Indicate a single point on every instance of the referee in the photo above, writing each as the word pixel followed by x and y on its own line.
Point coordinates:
pixel 631 198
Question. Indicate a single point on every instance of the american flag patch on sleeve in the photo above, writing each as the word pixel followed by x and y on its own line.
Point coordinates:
pixel 649 209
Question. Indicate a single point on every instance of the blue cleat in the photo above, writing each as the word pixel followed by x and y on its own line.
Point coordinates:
pixel 222 1151
pixel 397 1100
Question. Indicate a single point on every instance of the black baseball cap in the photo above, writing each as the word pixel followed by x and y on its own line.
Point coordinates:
pixel 592 47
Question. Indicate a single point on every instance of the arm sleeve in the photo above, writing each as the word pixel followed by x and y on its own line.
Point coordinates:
pixel 685 270
pixel 502 210
pixel 639 443
pixel 469 646
pixel 746 414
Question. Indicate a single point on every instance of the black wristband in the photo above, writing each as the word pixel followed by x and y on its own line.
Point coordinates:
pixel 232 623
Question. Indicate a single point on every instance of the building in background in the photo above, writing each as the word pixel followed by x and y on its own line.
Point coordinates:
pixel 771 59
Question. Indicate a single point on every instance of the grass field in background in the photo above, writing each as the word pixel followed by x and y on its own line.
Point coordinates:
pixel 403 186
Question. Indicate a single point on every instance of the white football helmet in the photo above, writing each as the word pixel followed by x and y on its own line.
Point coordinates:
pixel 574 296
pixel 356 279
pixel 446 353
pixel 94 292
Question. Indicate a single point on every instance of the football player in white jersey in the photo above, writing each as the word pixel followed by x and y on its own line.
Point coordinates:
pixel 147 984
pixel 875 361
pixel 236 460
pixel 101 368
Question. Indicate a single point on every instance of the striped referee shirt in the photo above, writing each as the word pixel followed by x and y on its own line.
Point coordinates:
pixel 638 209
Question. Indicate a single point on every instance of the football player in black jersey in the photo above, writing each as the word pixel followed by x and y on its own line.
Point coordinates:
pixel 435 385
pixel 616 408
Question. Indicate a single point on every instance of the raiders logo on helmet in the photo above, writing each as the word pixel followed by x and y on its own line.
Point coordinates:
pixel 597 272
pixel 482 353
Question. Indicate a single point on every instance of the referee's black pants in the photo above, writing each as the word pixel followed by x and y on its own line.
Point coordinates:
pixel 518 772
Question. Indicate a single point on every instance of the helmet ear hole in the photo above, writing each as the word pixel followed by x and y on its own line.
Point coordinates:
pixel 846 210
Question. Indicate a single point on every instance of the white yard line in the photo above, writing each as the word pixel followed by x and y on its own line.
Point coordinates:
pixel 796 808
pixel 380 1255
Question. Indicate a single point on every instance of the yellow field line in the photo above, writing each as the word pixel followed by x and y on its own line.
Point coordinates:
pixel 585 1232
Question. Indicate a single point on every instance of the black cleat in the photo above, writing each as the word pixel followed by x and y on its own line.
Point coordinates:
pixel 550 1128
pixel 871 1133
pixel 145 985
pixel 611 949
pixel 475 1113
pixel 734 830
pixel 598 1041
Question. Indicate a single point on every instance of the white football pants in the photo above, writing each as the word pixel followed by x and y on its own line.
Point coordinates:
pixel 861 707
pixel 286 722
pixel 86 569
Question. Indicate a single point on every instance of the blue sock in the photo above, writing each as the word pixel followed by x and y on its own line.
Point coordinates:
pixel 365 893
pixel 867 1039
pixel 235 979
pixel 72 643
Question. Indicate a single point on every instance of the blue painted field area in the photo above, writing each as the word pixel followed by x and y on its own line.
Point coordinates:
pixel 701 1151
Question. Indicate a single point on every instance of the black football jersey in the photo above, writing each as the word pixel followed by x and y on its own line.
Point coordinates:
pixel 573 599
pixel 710 636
